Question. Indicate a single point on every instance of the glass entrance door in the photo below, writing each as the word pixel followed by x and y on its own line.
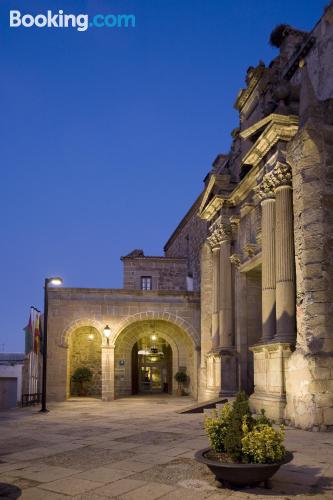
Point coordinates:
pixel 150 378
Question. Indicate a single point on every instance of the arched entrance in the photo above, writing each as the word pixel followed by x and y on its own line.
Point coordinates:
pixel 85 351
pixel 147 355
pixel 151 366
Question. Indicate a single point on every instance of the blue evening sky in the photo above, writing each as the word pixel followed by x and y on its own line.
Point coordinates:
pixel 106 135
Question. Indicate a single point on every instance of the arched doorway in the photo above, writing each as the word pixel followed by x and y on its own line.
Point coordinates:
pixel 138 369
pixel 151 366
pixel 85 351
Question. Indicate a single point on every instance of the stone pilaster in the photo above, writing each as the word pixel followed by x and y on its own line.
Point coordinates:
pixel 266 192
pixel 241 340
pixel 215 297
pixel 227 351
pixel 270 368
pixel 108 373
pixel 285 260
pixel 225 302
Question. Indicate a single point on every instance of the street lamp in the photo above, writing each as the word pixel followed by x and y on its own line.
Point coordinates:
pixel 55 281
pixel 107 333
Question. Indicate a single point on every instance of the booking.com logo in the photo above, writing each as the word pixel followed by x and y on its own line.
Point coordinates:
pixel 80 22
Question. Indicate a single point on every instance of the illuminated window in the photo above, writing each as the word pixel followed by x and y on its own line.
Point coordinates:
pixel 146 282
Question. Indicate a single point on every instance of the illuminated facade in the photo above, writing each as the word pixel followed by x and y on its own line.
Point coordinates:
pixel 243 298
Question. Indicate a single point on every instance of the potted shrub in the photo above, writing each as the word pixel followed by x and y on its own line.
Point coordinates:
pixel 245 450
pixel 81 378
pixel 181 379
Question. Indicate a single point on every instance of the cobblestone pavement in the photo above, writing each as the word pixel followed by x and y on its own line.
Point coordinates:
pixel 137 448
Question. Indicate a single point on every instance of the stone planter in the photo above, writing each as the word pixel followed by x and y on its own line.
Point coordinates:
pixel 241 474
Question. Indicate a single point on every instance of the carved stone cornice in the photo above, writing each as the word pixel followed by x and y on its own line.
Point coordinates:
pixel 253 77
pixel 207 212
pixel 278 127
pixel 246 208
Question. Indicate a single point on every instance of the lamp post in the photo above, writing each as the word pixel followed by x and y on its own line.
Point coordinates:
pixel 107 333
pixel 56 281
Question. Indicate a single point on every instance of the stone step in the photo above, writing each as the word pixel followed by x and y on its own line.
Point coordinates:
pixel 219 406
pixel 209 412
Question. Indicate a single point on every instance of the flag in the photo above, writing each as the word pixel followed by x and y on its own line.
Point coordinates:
pixel 37 332
pixel 28 330
pixel 41 333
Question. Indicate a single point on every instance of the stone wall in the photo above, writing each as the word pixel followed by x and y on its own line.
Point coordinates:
pixel 166 273
pixel 85 351
pixel 310 367
pixel 186 242
pixel 309 381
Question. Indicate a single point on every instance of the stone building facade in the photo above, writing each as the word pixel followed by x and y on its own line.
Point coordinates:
pixel 243 298
pixel 267 275
pixel 137 320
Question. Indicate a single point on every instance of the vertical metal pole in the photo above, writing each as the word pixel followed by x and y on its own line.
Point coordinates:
pixel 46 305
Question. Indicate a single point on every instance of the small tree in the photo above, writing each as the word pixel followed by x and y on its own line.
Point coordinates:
pixel 181 378
pixel 80 378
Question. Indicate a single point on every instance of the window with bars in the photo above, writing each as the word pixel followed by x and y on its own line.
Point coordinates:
pixel 146 283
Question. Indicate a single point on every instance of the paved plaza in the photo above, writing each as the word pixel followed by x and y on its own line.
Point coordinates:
pixel 137 448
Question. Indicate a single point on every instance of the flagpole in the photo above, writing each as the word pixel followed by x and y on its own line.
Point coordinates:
pixel 46 307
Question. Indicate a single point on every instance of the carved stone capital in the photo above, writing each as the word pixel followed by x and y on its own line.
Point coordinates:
pixel 214 241
pixel 282 174
pixel 235 259
pixel 220 232
pixel 234 220
pixel 266 189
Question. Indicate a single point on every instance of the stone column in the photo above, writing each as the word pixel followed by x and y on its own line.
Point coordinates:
pixel 271 357
pixel 266 192
pixel 108 373
pixel 225 306
pixel 214 242
pixel 285 260
pixel 216 293
pixel 226 349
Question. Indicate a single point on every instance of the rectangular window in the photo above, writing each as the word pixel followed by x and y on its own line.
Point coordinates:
pixel 146 283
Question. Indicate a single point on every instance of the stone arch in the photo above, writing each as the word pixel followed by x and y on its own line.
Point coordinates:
pixel 180 341
pixel 84 322
pixel 159 316
pixel 84 350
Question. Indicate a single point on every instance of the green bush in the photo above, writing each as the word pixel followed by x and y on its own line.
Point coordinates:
pixel 263 444
pixel 82 374
pixel 181 377
pixel 242 437
pixel 233 440
pixel 217 427
pixel 80 378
